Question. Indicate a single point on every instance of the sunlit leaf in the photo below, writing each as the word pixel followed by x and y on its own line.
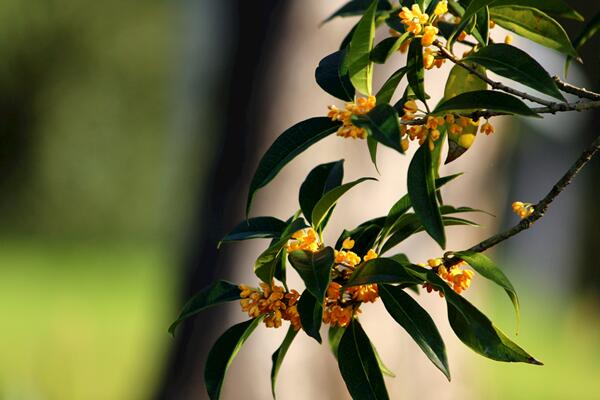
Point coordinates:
pixel 334 336
pixel 357 62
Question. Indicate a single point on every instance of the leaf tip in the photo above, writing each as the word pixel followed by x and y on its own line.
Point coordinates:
pixel 533 361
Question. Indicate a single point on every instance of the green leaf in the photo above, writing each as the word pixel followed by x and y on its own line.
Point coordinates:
pixel 253 228
pixel 417 323
pixel 472 327
pixel 421 189
pixel 311 315
pixel 513 63
pixel 553 7
pixel 279 354
pixel 222 354
pixel 358 365
pixel 330 198
pixel 357 62
pixel 382 367
pixel 386 92
pixel 489 270
pixel 484 99
pixel 416 73
pixel 358 7
pixel 287 146
pixel 314 268
pixel 218 292
pixel 372 145
pixel 588 31
pixel 534 25
pixel 319 181
pixel 380 270
pixel 266 263
pixel 482 24
pixel 330 78
pixel 334 336
pixel 382 124
pixel 386 48
pixel 363 236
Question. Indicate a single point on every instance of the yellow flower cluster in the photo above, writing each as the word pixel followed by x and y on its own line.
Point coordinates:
pixel 341 306
pixel 459 279
pixel 523 210
pixel 419 23
pixel 304 239
pixel 361 107
pixel 431 59
pixel 413 18
pixel 271 301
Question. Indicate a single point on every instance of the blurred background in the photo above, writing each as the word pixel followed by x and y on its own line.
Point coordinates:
pixel 128 135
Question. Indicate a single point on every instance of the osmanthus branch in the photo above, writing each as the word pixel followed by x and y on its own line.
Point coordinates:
pixel 577 91
pixel 557 107
pixel 540 208
pixel 495 85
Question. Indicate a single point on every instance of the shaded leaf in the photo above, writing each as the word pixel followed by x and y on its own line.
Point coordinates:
pixel 363 236
pixel 357 62
pixel 330 198
pixel 358 365
pixel 216 293
pixel 421 190
pixel 557 8
pixel 417 323
pixel 416 73
pixel 253 228
pixel 382 124
pixel 372 145
pixel 279 355
pixel 588 32
pixel 484 100
pixel 319 181
pixel 287 146
pixel 222 354
pixel 382 367
pixel 386 48
pixel 534 25
pixel 380 270
pixel 358 7
pixel 314 268
pixel 386 92
pixel 311 315
pixel 330 78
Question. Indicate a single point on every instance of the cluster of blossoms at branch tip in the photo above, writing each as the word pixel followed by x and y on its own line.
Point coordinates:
pixel 361 107
pixel 341 305
pixel 523 210
pixel 459 279
pixel 420 24
pixel 273 302
pixel 304 239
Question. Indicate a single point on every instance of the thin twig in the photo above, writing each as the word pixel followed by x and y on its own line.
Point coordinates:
pixel 577 106
pixel 577 91
pixel 541 207
pixel 495 85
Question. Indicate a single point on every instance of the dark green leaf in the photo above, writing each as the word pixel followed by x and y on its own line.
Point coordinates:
pixel 357 62
pixel 314 268
pixel 266 263
pixel 589 31
pixel 384 369
pixel 386 92
pixel 557 8
pixel 421 189
pixel 372 145
pixel 330 78
pixel 217 293
pixel 386 48
pixel 472 327
pixel 259 227
pixel 382 124
pixel 358 7
pixel 358 365
pixel 380 270
pixel 535 25
pixel 311 315
pixel 488 269
pixel 416 73
pixel 482 24
pixel 287 146
pixel 319 181
pixel 334 336
pixel 279 354
pixel 222 354
pixel 417 323
pixel 280 268
pixel 513 63
pixel 484 99
pixel 330 198
pixel 363 236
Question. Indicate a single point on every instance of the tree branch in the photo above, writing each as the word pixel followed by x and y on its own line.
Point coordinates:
pixel 577 91
pixel 541 207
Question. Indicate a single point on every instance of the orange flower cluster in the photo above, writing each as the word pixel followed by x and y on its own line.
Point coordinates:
pixel 348 130
pixel 304 239
pixel 523 210
pixel 273 302
pixel 459 279
pixel 340 305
